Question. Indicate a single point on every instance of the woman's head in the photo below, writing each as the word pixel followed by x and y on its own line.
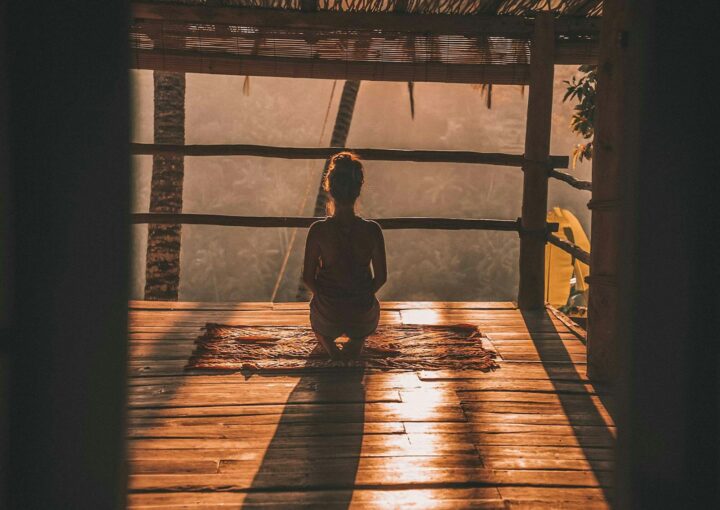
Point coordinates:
pixel 344 178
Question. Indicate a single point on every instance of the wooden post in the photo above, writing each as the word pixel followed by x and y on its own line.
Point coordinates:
pixel 609 169
pixel 537 152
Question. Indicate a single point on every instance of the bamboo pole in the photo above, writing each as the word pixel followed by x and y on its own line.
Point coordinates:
pixel 535 178
pixel 570 248
pixel 418 156
pixel 305 222
pixel 571 180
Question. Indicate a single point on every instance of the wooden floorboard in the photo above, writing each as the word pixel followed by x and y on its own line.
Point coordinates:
pixel 533 433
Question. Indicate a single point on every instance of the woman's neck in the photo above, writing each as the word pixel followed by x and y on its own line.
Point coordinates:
pixel 344 212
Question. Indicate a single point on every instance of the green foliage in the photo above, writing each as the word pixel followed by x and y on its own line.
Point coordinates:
pixel 583 90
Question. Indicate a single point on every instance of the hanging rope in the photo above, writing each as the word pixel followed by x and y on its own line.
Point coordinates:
pixel 327 112
pixel 284 264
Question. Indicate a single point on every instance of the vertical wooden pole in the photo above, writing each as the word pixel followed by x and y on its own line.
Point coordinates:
pixel 535 169
pixel 609 166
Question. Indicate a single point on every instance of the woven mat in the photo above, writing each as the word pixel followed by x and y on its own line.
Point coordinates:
pixel 272 348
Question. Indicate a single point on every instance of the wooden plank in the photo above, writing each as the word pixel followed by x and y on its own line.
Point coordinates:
pixel 275 397
pixel 197 306
pixel 524 413
pixel 560 465
pixel 546 452
pixel 363 498
pixel 398 410
pixel 519 439
pixel 342 441
pixel 557 496
pixel 492 427
pixel 265 431
pixel 331 451
pixel 535 172
pixel 370 380
pixel 327 476
pixel 174 465
pixel 165 306
pixel 506 370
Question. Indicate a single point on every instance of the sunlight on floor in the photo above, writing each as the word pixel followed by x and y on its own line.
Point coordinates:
pixel 422 316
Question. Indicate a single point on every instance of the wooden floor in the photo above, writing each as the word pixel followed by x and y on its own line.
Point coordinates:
pixel 532 434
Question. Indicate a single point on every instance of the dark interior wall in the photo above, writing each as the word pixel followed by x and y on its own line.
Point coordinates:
pixel 668 307
pixel 5 267
pixel 67 139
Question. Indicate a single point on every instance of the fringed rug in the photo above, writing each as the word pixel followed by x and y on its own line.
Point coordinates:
pixel 272 348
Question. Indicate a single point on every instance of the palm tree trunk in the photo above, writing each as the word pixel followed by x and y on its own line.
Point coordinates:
pixel 346 108
pixel 162 267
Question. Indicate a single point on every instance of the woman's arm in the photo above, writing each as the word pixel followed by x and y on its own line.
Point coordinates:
pixel 379 261
pixel 312 259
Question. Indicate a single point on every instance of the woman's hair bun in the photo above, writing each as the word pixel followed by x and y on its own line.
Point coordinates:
pixel 344 178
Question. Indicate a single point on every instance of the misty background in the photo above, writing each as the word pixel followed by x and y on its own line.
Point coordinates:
pixel 243 264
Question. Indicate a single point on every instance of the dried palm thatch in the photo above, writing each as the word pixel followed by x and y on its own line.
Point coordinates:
pixel 462 7
pixel 260 348
pixel 346 41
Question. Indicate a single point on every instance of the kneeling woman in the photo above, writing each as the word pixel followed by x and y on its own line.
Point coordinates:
pixel 339 254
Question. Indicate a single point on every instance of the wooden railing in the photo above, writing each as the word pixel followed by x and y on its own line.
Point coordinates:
pixel 567 246
pixel 417 156
pixel 572 181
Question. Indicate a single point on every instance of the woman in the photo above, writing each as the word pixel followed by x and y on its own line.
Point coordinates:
pixel 339 253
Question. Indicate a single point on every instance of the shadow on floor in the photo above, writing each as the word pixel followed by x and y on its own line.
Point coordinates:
pixel 317 443
pixel 579 407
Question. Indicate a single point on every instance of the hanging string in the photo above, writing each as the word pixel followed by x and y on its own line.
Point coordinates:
pixel 284 264
pixel 327 112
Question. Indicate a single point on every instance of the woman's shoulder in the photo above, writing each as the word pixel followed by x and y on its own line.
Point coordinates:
pixel 317 228
pixel 372 226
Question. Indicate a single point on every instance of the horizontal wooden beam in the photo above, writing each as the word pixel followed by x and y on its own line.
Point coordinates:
pixel 305 222
pixel 572 181
pixel 445 24
pixel 570 248
pixel 188 61
pixel 418 156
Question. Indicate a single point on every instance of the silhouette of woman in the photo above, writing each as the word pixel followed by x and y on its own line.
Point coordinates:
pixel 339 253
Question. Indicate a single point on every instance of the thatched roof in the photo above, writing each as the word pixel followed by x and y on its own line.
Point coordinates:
pixel 471 41
pixel 456 7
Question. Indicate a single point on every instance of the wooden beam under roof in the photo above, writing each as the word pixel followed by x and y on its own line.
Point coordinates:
pixel 216 63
